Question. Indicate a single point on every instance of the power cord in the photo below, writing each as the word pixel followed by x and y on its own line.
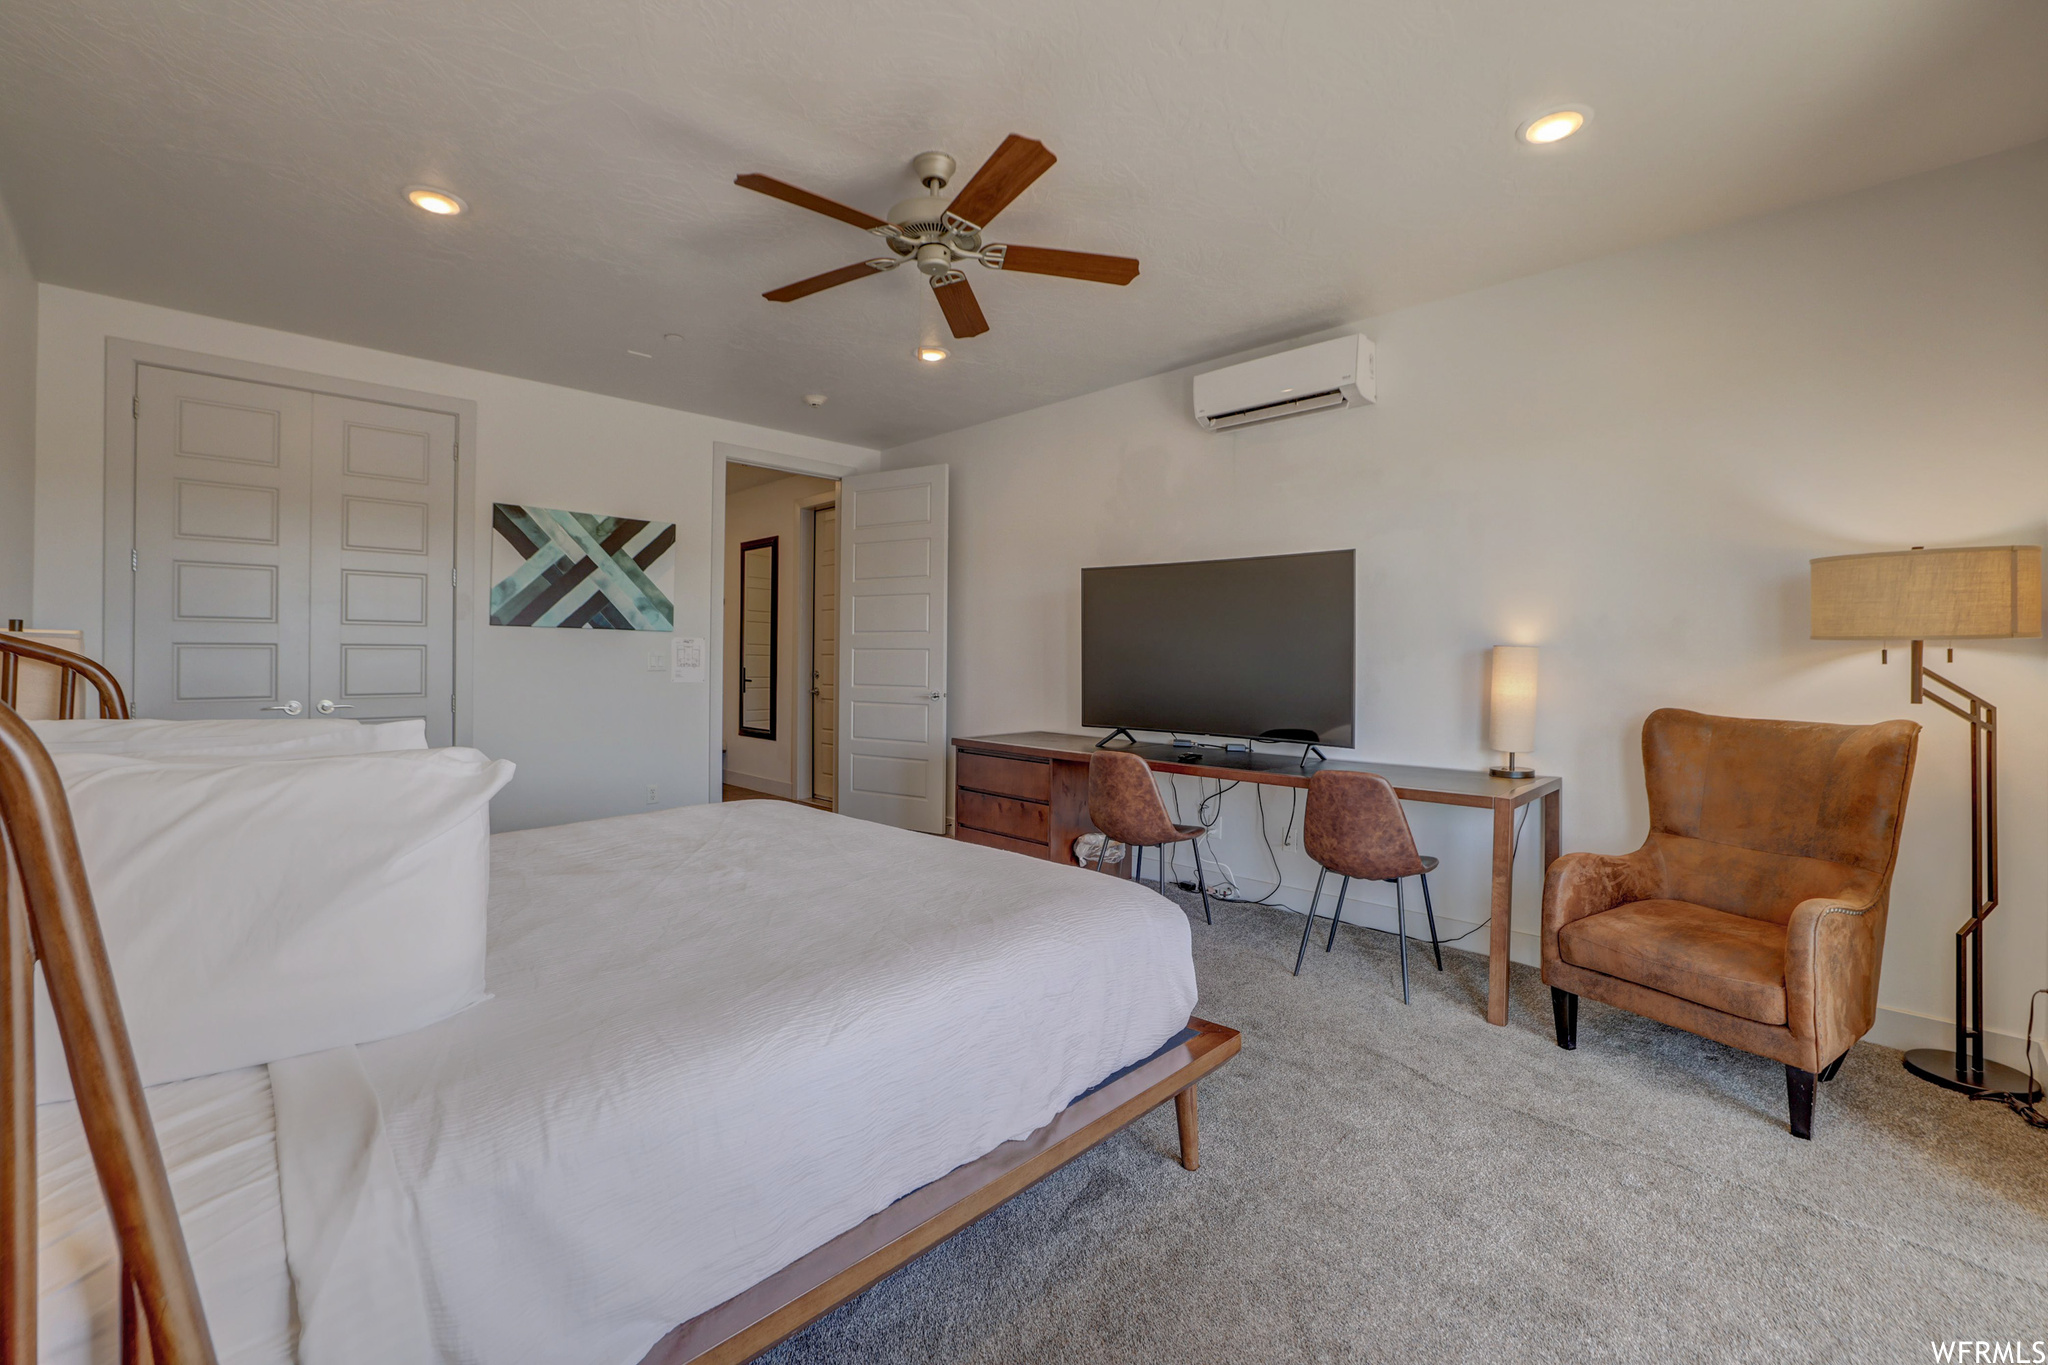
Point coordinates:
pixel 2029 1110
pixel 1209 822
pixel 1267 835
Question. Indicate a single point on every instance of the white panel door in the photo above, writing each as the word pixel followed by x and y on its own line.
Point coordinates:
pixel 221 497
pixel 892 647
pixel 383 562
pixel 294 554
pixel 825 657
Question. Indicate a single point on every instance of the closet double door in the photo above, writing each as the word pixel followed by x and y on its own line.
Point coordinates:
pixel 294 554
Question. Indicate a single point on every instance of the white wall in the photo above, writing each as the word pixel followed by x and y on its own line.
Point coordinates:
pixel 589 725
pixel 770 509
pixel 17 425
pixel 1628 462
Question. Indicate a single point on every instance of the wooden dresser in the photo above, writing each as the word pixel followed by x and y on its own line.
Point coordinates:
pixel 1010 793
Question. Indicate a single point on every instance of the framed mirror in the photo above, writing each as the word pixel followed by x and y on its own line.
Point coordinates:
pixel 757 637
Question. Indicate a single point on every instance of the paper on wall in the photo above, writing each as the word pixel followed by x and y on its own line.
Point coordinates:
pixel 686 659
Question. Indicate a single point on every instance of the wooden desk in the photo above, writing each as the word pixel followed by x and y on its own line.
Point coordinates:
pixel 1029 793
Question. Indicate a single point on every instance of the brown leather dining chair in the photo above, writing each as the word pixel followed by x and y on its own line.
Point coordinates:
pixel 1124 803
pixel 1354 826
pixel 1754 912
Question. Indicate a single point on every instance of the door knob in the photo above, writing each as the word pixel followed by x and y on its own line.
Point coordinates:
pixel 328 708
pixel 935 696
pixel 290 708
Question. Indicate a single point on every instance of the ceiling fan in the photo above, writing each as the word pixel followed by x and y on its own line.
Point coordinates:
pixel 940 235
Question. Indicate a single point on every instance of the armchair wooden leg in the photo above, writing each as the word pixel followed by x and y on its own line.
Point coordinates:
pixel 1564 1011
pixel 1833 1069
pixel 1799 1090
pixel 1190 1139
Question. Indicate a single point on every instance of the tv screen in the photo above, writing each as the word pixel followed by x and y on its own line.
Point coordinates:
pixel 1233 647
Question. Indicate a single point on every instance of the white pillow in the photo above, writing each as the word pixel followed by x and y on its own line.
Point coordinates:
pixel 307 738
pixel 259 910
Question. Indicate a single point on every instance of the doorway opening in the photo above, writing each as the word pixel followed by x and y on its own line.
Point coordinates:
pixel 780 651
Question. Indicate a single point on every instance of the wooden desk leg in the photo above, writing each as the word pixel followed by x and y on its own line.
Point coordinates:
pixel 1503 908
pixel 1190 1140
pixel 1553 830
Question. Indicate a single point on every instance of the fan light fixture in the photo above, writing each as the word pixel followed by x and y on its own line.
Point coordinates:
pixel 1553 127
pixel 930 355
pixel 434 201
pixel 941 235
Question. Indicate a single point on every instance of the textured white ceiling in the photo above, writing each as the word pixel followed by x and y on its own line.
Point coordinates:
pixel 1278 167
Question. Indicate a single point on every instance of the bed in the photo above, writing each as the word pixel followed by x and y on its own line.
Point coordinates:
pixel 739 1062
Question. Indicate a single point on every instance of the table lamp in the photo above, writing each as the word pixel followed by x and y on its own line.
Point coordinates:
pixel 1511 707
pixel 1990 592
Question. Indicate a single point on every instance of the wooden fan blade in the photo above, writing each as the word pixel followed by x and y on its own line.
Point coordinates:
pixel 804 199
pixel 845 274
pixel 1002 177
pixel 962 309
pixel 1074 265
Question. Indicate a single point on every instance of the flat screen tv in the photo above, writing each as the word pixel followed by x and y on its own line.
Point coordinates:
pixel 1240 648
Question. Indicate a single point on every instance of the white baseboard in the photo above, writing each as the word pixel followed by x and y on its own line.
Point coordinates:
pixel 1904 1029
pixel 767 786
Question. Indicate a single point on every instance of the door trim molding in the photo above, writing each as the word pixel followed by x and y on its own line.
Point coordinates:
pixel 803 738
pixel 117 589
pixel 722 453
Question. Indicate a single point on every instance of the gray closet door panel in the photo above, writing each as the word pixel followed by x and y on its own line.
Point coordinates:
pixel 222 475
pixel 383 562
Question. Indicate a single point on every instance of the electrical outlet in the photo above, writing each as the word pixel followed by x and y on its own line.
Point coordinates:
pixel 653 794
pixel 657 661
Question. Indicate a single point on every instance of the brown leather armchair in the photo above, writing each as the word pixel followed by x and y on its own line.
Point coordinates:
pixel 1754 913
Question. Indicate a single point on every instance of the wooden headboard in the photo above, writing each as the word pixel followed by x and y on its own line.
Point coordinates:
pixel 23 657
pixel 51 917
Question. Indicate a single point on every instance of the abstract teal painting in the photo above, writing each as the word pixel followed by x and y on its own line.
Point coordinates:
pixel 581 571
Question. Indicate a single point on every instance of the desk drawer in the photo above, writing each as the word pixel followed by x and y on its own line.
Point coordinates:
pixel 987 840
pixel 1004 776
pixel 1030 820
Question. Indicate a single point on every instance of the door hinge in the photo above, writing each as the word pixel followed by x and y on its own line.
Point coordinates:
pixel 135 561
pixel 135 406
pixel 451 706
pixel 454 578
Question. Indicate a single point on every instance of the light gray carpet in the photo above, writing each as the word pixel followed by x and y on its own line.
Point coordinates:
pixel 1382 1182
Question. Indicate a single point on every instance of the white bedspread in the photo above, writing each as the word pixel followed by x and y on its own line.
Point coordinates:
pixel 722 1035
pixel 215 1132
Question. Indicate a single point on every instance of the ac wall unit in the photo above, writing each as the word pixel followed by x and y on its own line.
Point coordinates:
pixel 1329 374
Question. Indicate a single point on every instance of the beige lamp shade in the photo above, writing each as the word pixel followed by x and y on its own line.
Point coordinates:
pixel 1982 592
pixel 1511 702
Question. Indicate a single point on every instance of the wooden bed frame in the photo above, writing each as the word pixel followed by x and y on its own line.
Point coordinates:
pixel 755 1319
pixel 48 915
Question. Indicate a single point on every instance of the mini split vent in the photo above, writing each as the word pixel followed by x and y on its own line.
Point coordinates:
pixel 1329 374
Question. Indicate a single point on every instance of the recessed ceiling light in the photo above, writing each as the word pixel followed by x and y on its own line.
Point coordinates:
pixel 435 201
pixel 672 338
pixel 816 400
pixel 1553 127
pixel 930 355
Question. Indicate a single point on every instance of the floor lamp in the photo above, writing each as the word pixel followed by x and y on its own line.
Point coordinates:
pixel 1972 593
